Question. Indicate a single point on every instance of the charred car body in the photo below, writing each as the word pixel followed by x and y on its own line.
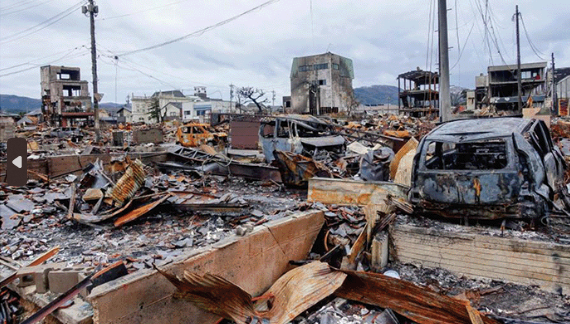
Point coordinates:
pixel 194 135
pixel 300 134
pixel 487 169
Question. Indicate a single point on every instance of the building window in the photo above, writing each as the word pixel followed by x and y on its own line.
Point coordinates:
pixel 304 68
pixel 335 66
pixel 322 82
pixel 187 112
pixel 141 119
pixel 173 114
pixel 321 66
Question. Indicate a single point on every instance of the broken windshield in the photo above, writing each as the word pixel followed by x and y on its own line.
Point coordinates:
pixel 483 155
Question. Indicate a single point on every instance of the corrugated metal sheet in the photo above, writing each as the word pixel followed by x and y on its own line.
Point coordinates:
pixel 129 183
pixel 292 294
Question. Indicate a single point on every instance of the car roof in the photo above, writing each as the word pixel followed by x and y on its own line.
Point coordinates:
pixel 482 127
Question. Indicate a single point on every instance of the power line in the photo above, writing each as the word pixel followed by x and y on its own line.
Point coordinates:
pixel 46 23
pixel 141 11
pixel 201 31
pixel 3 14
pixel 534 49
pixel 463 48
pixel 69 51
pixel 38 65
pixel 16 5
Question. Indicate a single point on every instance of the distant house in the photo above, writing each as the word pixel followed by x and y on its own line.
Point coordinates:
pixel 27 120
pixel 203 108
pixel 141 105
pixel 124 115
pixel 172 111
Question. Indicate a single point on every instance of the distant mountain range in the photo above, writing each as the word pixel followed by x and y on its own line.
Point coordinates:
pixel 16 104
pixel 385 94
pixel 377 95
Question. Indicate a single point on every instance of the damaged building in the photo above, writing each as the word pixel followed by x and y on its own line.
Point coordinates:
pixel 65 97
pixel 503 89
pixel 418 93
pixel 322 84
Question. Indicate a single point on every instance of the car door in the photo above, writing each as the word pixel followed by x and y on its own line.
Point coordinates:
pixel 552 166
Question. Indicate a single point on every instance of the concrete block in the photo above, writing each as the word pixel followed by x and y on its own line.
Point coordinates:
pixel 379 251
pixel 40 276
pixel 61 280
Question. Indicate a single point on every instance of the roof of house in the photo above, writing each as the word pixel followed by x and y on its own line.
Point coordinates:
pixel 172 93
pixel 124 108
pixel 560 74
pixel 176 104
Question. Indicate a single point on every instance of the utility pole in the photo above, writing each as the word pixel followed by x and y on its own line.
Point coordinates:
pixel 554 91
pixel 519 74
pixel 444 94
pixel 231 96
pixel 93 10
pixel 273 97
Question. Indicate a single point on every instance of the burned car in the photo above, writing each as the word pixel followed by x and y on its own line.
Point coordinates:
pixel 300 134
pixel 487 169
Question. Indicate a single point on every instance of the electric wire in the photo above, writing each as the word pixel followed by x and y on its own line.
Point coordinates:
pixel 534 48
pixel 201 31
pixel 141 11
pixel 44 24
pixel 4 14
pixel 38 65
pixel 42 58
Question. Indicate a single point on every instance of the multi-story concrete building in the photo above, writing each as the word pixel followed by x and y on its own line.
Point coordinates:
pixel 65 96
pixel 322 84
pixel 503 88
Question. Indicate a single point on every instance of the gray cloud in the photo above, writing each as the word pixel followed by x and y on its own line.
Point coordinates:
pixel 383 37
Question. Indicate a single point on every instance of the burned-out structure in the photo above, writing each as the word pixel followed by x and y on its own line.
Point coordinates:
pixel 65 97
pixel 503 85
pixel 418 92
pixel 322 84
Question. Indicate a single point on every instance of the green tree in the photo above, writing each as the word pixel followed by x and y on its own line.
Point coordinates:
pixel 155 110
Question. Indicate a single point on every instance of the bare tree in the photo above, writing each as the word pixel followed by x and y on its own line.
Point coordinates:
pixel 250 94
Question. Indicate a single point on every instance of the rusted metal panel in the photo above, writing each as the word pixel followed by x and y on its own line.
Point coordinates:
pixel 129 183
pixel 419 304
pixel 136 213
pixel 296 170
pixel 292 294
pixel 351 192
pixel 244 134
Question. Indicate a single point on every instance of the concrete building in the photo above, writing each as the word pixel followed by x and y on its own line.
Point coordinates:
pixel 503 89
pixel 170 102
pixel 203 109
pixel 65 97
pixel 418 92
pixel 321 84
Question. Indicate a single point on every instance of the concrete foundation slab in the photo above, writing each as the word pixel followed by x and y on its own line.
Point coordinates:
pixel 523 261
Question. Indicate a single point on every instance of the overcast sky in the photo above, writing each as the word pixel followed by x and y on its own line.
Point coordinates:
pixel 382 37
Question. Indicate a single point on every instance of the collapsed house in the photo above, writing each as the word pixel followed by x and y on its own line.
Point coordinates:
pixel 157 232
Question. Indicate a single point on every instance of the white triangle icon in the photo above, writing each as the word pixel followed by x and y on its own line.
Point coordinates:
pixel 18 162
